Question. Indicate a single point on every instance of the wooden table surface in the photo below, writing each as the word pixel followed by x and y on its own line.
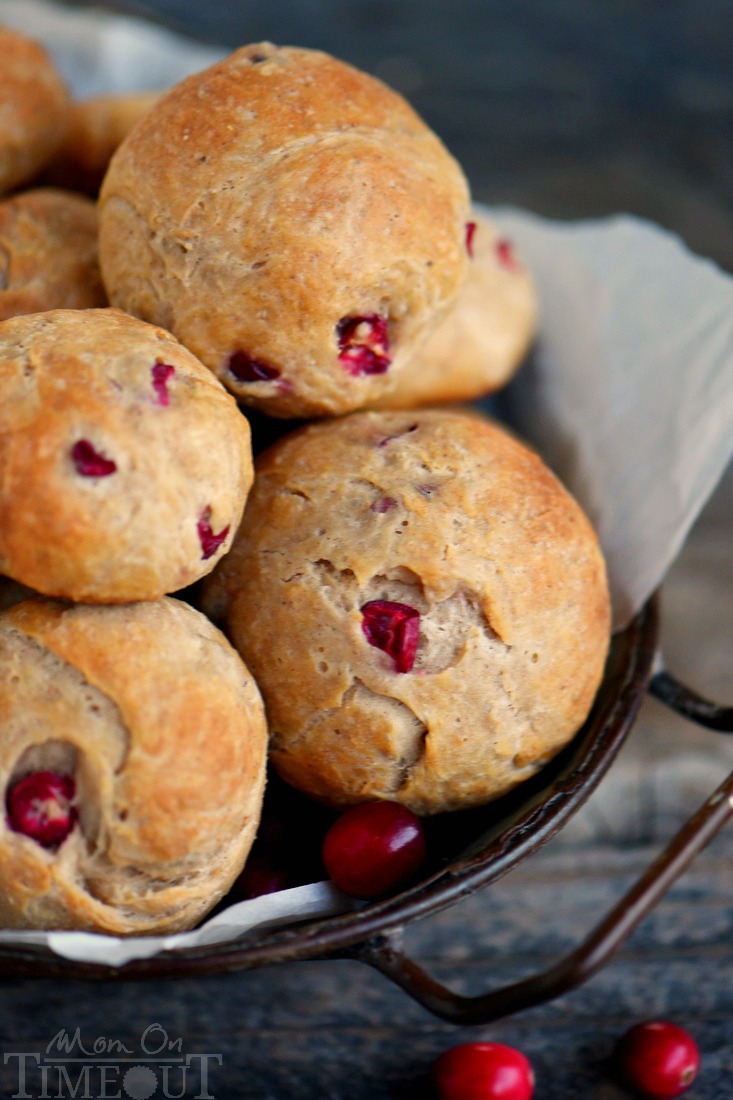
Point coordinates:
pixel 570 109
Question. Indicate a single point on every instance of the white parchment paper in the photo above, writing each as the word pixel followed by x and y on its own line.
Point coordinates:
pixel 629 392
pixel 628 396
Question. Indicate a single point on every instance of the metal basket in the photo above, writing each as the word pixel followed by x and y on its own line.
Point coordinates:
pixel 478 847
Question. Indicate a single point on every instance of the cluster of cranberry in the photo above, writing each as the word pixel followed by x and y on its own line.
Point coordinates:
pixel 369 851
pixel 372 849
pixel 656 1060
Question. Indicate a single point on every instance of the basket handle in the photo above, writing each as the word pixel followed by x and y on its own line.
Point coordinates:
pixel 687 702
pixel 385 954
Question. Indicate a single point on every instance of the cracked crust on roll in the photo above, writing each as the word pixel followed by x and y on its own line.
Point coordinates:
pixel 152 714
pixel 436 513
pixel 263 205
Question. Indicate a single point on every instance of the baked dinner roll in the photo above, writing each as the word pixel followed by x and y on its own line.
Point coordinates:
pixel 95 128
pixel 124 464
pixel 423 606
pixel 293 222
pixel 481 343
pixel 34 105
pixel 48 253
pixel 132 761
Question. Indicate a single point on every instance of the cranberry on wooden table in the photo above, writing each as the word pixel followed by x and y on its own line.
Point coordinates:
pixel 483 1071
pixel 373 848
pixel 658 1060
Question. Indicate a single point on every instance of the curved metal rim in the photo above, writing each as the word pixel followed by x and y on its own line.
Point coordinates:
pixel 572 778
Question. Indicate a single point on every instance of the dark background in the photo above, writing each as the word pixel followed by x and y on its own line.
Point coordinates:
pixel 570 108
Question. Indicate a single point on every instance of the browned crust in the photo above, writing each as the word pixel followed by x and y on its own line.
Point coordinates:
pixel 483 340
pixel 71 375
pixel 34 106
pixel 482 539
pixel 260 202
pixel 48 253
pixel 165 732
pixel 96 127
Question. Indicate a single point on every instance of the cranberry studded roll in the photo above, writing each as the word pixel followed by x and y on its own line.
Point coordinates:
pixel 132 766
pixel 48 253
pixel 422 604
pixel 124 464
pixel 482 342
pixel 293 222
pixel 34 109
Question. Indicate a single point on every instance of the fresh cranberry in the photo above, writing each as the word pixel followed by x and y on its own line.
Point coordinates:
pixel 506 256
pixel 41 807
pixel 393 628
pixel 658 1059
pixel 364 344
pixel 470 233
pixel 210 542
pixel 483 1071
pixel 90 463
pixel 161 372
pixel 246 368
pixel 372 848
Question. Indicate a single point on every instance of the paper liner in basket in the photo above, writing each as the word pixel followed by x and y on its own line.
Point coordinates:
pixel 629 392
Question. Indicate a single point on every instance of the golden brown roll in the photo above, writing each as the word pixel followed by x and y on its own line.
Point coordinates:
pixel 480 344
pixel 293 222
pixel 48 253
pixel 422 604
pixel 132 766
pixel 95 129
pixel 34 106
pixel 124 464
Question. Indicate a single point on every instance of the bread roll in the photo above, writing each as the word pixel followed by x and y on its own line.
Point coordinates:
pixel 132 766
pixel 423 605
pixel 293 222
pixel 48 253
pixel 124 464
pixel 96 127
pixel 481 343
pixel 34 106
